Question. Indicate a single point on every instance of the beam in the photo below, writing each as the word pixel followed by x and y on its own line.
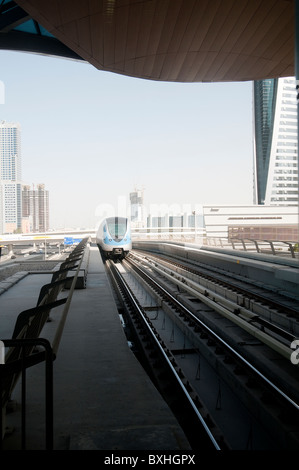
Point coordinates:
pixel 12 18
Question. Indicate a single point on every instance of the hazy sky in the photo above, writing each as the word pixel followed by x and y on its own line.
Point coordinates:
pixel 91 137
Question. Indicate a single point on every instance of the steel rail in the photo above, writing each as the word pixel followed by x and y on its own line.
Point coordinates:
pixel 227 346
pixel 170 365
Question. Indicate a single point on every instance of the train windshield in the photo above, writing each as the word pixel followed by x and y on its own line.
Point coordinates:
pixel 117 227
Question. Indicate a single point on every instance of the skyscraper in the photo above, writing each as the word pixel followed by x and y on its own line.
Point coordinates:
pixel 275 142
pixel 137 209
pixel 10 177
pixel 35 208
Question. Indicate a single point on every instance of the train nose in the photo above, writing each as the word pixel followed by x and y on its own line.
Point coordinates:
pixel 117 251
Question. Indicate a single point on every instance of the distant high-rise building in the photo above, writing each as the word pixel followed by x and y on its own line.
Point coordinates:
pixel 10 177
pixel 137 208
pixel 43 208
pixel 275 142
pixel 35 206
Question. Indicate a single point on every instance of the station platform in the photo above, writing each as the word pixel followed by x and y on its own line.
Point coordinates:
pixel 103 399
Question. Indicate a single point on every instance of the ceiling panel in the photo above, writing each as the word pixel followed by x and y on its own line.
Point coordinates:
pixel 175 40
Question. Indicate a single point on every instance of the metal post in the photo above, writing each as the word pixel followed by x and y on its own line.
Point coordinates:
pixel 2 362
pixel 23 420
pixel 49 398
pixel 1 409
pixel 272 247
pixel 2 352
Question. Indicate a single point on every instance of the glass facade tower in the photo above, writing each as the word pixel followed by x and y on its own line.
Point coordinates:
pixel 10 177
pixel 275 142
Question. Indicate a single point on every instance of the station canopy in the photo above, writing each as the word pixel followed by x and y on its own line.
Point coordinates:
pixel 168 40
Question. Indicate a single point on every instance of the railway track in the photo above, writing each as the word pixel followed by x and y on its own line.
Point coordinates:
pixel 249 288
pixel 272 320
pixel 239 360
pixel 165 373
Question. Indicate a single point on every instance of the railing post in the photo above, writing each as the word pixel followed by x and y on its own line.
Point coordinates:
pixel 49 398
pixel 291 248
pixel 257 246
pixel 23 399
pixel 272 247
pixel 2 352
pixel 244 245
pixel 2 362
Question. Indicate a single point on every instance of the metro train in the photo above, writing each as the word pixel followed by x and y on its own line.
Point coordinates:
pixel 114 237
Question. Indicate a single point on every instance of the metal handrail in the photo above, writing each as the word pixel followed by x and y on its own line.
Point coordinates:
pixel 11 368
pixel 23 344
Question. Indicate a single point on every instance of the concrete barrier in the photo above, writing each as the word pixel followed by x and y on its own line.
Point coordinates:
pixel 280 274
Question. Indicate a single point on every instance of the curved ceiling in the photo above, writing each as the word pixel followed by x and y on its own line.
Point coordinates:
pixel 172 40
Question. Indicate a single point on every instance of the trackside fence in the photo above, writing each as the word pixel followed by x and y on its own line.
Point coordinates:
pixel 289 248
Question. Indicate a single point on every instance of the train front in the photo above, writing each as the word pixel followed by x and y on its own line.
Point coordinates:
pixel 116 237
